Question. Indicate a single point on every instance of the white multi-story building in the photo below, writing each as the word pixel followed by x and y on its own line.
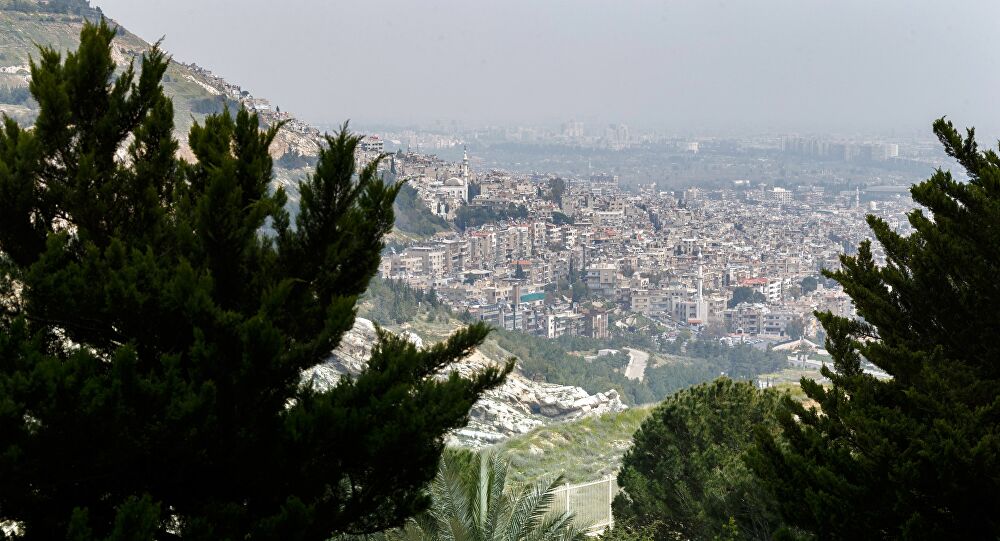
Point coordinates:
pixel 372 143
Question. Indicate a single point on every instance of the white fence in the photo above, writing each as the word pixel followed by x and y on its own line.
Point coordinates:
pixel 590 503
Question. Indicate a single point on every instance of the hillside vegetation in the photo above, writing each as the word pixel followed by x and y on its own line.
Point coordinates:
pixel 580 451
pixel 554 361
pixel 23 30
pixel 413 217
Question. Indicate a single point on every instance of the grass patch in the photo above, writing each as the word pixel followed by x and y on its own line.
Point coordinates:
pixel 582 450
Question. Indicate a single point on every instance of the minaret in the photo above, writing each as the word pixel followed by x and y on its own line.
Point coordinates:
pixel 465 164
pixel 465 173
pixel 700 283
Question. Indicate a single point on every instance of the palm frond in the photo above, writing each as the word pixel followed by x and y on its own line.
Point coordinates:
pixel 498 504
pixel 477 501
pixel 557 528
pixel 451 504
pixel 533 504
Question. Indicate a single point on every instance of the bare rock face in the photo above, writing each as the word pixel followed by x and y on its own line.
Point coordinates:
pixel 350 357
pixel 518 406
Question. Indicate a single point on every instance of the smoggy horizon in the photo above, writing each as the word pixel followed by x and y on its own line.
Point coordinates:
pixel 725 67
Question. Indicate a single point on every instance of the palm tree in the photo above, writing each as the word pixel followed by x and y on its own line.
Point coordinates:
pixel 473 500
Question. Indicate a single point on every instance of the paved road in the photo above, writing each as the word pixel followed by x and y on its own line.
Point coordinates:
pixel 636 368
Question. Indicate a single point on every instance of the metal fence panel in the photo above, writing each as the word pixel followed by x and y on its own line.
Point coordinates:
pixel 590 503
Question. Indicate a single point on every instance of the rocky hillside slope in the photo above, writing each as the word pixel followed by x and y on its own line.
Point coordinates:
pixel 518 407
pixel 195 91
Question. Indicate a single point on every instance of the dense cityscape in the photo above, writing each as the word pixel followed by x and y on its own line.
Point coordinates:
pixel 550 256
pixel 630 271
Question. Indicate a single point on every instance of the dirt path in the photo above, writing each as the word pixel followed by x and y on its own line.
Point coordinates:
pixel 636 368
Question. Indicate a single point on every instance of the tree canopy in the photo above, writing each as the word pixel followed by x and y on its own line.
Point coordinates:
pixel 745 294
pixel 556 189
pixel 915 455
pixel 156 316
pixel 685 477
pixel 809 284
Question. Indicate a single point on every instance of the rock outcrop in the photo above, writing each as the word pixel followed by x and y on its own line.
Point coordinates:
pixel 517 407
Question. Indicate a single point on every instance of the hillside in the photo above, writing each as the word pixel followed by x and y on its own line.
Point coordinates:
pixel 582 450
pixel 516 407
pixel 413 219
pixel 195 91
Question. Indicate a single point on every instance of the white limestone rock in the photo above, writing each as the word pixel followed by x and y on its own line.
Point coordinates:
pixel 517 407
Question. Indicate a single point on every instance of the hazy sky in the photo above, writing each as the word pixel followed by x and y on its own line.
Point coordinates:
pixel 809 65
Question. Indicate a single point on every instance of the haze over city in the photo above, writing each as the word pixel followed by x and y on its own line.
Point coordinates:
pixel 777 65
pixel 575 270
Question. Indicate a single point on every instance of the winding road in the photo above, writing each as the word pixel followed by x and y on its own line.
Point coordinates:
pixel 636 368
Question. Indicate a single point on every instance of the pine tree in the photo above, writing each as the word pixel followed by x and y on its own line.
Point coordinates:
pixel 156 316
pixel 685 476
pixel 916 455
